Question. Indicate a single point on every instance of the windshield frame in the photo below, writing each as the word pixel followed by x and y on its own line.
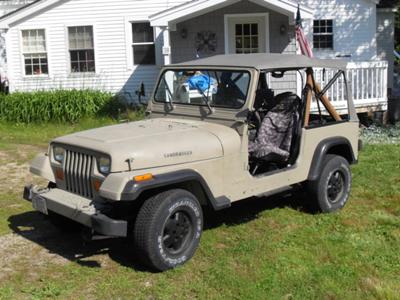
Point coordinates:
pixel 204 68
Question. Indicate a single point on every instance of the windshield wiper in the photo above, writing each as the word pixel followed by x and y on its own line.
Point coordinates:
pixel 205 98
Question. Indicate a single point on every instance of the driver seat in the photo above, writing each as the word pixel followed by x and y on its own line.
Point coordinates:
pixel 277 131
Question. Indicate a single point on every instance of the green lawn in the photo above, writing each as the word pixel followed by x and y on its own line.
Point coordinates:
pixel 258 249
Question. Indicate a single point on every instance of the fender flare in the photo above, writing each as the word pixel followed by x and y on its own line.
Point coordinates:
pixel 133 190
pixel 322 149
pixel 41 166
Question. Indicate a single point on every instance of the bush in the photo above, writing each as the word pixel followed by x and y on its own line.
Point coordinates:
pixel 381 135
pixel 58 106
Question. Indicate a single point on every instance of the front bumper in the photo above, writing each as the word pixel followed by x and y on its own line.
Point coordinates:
pixel 76 208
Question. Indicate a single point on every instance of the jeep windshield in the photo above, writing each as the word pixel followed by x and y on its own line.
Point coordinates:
pixel 213 88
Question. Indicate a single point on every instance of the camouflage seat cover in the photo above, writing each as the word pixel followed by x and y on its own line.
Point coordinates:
pixel 276 131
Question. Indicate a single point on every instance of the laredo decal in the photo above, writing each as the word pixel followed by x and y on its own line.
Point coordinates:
pixel 177 154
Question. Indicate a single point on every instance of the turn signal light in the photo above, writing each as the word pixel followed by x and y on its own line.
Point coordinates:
pixel 97 184
pixel 144 177
pixel 59 174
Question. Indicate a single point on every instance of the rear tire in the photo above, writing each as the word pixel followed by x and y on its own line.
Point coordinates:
pixel 331 190
pixel 168 228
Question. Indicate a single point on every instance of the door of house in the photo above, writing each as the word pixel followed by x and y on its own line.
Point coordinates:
pixel 246 33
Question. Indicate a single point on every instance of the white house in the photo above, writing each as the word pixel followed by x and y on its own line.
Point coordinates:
pixel 7 7
pixel 116 45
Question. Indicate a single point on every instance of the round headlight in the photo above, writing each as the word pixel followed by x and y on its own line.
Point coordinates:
pixel 104 165
pixel 58 154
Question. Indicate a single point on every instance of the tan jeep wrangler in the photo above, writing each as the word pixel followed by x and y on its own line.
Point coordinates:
pixel 218 130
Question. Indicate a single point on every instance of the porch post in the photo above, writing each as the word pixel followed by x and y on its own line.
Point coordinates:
pixel 166 48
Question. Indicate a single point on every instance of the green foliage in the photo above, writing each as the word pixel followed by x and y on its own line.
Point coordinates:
pixel 381 134
pixel 58 106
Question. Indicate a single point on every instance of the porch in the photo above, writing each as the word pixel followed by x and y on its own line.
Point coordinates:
pixel 368 82
pixel 205 28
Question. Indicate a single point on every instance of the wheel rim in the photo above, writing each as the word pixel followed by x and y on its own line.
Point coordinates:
pixel 178 231
pixel 335 186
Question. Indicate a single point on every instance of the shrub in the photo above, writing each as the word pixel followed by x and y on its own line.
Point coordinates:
pixel 58 106
pixel 381 135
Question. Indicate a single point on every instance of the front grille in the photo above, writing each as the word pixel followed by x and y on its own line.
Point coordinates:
pixel 77 170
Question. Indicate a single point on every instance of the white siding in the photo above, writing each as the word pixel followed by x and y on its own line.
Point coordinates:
pixel 354 34
pixel 354 27
pixel 5 8
pixel 109 20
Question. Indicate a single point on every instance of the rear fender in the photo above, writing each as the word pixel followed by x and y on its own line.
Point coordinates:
pixel 335 145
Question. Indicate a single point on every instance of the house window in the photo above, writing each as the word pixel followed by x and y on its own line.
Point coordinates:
pixel 323 34
pixel 34 52
pixel 81 49
pixel 246 38
pixel 144 52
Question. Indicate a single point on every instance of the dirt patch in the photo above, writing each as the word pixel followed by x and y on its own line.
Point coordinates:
pixel 19 153
pixel 14 167
pixel 16 249
pixel 36 244
pixel 13 175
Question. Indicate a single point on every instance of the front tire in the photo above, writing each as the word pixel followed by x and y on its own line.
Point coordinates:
pixel 331 190
pixel 168 228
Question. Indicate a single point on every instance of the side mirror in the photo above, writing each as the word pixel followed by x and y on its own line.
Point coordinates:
pixel 141 92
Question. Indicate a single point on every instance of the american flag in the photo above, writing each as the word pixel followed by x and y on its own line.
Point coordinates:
pixel 301 38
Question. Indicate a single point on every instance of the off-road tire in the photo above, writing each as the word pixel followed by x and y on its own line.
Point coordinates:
pixel 168 228
pixel 62 223
pixel 331 190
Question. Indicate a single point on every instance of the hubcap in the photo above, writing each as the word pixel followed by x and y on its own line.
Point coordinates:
pixel 177 232
pixel 335 186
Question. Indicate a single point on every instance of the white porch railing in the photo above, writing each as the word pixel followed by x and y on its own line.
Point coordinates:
pixel 368 82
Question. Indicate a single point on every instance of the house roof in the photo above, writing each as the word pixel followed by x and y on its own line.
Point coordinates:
pixel 186 10
pixel 265 61
pixel 17 10
pixel 195 8
pixel 25 11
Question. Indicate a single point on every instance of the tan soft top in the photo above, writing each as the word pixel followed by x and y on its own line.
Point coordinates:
pixel 265 61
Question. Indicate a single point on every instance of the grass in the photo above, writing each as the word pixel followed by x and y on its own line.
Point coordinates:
pixel 258 249
pixel 39 134
pixel 57 105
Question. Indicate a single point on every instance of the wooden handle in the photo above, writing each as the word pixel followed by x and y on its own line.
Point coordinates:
pixel 324 99
pixel 328 105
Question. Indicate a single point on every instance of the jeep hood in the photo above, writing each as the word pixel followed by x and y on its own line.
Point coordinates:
pixel 156 142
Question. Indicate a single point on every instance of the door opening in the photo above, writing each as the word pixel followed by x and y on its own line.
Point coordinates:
pixel 247 33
